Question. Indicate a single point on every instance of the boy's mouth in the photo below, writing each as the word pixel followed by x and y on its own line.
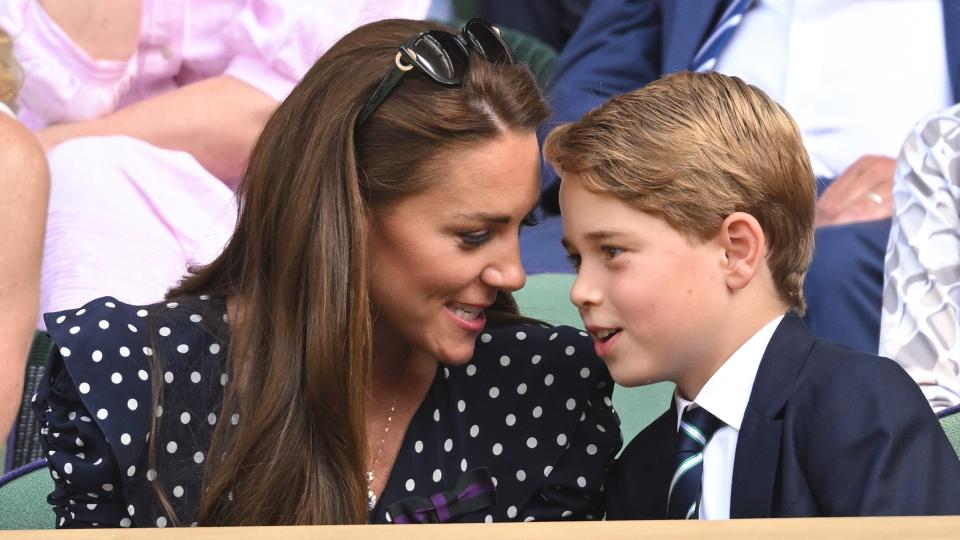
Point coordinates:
pixel 603 339
pixel 605 334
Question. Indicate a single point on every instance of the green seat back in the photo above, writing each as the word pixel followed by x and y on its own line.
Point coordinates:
pixel 23 502
pixel 539 57
pixel 26 445
pixel 951 425
pixel 546 297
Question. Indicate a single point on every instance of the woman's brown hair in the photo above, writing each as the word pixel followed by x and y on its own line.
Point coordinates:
pixel 9 71
pixel 300 353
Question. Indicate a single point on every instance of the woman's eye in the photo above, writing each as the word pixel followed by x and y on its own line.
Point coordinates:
pixel 475 238
pixel 530 220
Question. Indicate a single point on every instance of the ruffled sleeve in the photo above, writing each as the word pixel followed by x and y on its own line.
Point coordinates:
pixel 85 472
pixel 572 487
pixel 93 408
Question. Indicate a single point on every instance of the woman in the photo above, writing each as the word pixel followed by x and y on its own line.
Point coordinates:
pixel 354 354
pixel 25 187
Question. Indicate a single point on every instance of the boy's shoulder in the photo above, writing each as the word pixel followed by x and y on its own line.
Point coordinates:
pixel 834 373
pixel 797 367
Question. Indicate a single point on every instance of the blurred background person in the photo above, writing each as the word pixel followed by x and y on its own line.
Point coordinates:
pixel 921 301
pixel 25 185
pixel 148 110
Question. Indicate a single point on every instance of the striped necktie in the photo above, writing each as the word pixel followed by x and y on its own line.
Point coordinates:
pixel 696 427
pixel 706 57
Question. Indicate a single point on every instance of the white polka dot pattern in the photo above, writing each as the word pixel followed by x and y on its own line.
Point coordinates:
pixel 110 348
pixel 508 408
pixel 515 410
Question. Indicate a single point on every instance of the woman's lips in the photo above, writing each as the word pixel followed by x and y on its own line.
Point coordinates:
pixel 469 317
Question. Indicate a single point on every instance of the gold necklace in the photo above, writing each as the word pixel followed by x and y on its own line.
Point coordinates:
pixel 371 496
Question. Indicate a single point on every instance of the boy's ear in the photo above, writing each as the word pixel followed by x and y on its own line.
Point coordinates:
pixel 744 249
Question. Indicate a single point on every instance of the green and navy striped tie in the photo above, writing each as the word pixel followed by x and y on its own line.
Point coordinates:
pixel 696 427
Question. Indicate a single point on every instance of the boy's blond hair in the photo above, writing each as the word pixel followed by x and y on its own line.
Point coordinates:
pixel 692 148
pixel 9 71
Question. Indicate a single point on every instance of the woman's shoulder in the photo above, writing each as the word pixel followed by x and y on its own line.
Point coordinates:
pixel 534 406
pixel 560 355
pixel 520 373
pixel 21 153
pixel 107 344
pixel 107 328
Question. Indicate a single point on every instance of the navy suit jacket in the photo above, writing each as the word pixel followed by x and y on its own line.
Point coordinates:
pixel 621 45
pixel 828 431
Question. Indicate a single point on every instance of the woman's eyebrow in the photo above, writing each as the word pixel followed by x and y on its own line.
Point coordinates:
pixel 486 217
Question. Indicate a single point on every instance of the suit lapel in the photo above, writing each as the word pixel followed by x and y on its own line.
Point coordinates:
pixel 654 464
pixel 688 25
pixel 951 29
pixel 757 460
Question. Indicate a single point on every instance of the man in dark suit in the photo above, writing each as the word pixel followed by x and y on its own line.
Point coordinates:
pixel 688 210
pixel 855 74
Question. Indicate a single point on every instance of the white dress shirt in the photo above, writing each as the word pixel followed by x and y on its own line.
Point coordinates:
pixel 856 75
pixel 6 110
pixel 725 395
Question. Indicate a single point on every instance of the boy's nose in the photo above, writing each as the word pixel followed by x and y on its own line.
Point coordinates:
pixel 583 293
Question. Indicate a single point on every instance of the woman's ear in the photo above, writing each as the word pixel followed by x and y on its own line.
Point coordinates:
pixel 744 247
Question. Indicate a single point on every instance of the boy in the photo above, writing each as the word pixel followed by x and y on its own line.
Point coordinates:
pixel 688 211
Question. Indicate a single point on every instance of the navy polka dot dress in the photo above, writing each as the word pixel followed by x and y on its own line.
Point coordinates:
pixel 524 431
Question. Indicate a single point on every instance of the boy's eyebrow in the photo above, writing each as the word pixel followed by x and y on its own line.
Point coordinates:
pixel 595 236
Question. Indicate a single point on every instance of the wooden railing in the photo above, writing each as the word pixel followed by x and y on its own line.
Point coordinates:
pixel 925 528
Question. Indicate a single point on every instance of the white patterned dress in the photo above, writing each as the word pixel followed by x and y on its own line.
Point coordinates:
pixel 920 323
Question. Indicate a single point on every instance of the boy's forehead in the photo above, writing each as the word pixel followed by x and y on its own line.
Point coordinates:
pixel 589 216
pixel 576 198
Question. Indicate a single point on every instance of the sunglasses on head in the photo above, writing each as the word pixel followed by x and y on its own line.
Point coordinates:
pixel 442 56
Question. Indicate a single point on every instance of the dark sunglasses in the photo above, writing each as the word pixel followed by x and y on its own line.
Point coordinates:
pixel 442 56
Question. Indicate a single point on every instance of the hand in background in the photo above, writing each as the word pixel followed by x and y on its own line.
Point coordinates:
pixel 863 192
pixel 216 120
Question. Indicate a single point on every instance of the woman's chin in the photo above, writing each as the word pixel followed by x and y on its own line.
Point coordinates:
pixel 456 356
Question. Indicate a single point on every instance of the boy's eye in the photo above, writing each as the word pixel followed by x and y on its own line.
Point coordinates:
pixel 610 252
pixel 474 238
pixel 574 260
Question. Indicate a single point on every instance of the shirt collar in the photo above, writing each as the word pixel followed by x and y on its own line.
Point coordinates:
pixel 726 393
pixel 6 110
